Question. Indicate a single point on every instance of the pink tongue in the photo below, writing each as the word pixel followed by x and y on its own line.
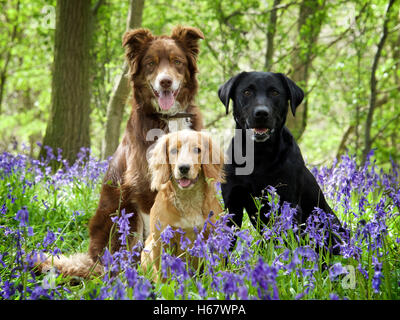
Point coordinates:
pixel 166 100
pixel 260 130
pixel 184 182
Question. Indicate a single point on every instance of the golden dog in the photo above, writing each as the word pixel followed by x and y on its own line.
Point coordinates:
pixel 185 165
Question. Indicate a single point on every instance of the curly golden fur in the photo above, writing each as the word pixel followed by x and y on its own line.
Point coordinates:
pixel 186 197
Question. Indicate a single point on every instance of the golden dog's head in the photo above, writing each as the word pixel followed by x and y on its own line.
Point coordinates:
pixel 185 157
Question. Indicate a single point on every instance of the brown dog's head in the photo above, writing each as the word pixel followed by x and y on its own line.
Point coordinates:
pixel 164 67
pixel 182 157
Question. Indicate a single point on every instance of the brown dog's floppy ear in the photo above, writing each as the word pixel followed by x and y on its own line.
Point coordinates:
pixel 296 95
pixel 158 163
pixel 213 159
pixel 134 42
pixel 226 90
pixel 188 38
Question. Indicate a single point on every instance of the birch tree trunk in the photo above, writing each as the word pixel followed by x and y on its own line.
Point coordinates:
pixel 121 90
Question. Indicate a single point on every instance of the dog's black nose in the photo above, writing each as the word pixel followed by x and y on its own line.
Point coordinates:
pixel 184 168
pixel 166 83
pixel 261 112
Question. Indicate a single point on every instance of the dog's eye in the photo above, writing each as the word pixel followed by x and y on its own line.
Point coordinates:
pixel 197 150
pixel 151 64
pixel 177 62
pixel 274 93
pixel 247 93
pixel 173 151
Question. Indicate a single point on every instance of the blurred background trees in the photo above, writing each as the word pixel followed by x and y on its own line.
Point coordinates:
pixel 342 53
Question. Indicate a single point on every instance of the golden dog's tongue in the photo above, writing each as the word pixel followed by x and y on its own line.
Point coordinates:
pixel 166 100
pixel 184 182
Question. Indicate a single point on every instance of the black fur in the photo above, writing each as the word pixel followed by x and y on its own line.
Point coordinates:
pixel 261 100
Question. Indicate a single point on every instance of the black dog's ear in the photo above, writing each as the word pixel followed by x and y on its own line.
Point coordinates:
pixel 296 94
pixel 225 91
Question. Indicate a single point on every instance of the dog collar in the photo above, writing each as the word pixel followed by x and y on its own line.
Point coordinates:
pixel 172 116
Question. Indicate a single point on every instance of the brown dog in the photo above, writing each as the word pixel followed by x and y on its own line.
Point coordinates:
pixel 163 72
pixel 185 166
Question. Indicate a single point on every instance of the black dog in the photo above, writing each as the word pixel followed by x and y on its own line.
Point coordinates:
pixel 260 104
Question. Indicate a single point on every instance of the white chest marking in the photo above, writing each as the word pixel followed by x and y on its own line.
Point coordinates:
pixel 179 124
pixel 146 224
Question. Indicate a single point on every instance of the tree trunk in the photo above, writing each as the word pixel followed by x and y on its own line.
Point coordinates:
pixel 342 147
pixel 310 20
pixel 7 58
pixel 373 84
pixel 68 124
pixel 270 35
pixel 121 90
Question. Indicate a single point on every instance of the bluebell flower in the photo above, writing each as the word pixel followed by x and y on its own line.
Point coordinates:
pixel 167 234
pixel 173 267
pixel 123 225
pixel 49 238
pixel 142 290
pixel 3 209
pixel 336 270
pixel 202 291
pixel 333 296
pixel 263 277
pixel 22 216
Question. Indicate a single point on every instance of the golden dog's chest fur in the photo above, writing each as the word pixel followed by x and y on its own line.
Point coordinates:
pixel 179 209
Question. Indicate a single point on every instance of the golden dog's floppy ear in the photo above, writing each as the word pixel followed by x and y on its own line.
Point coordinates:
pixel 158 163
pixel 213 159
pixel 135 42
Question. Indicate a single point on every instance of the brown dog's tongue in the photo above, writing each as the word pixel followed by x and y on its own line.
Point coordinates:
pixel 166 100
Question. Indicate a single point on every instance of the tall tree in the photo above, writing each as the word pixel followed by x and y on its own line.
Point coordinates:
pixel 373 81
pixel 121 90
pixel 311 17
pixel 6 56
pixel 68 124
pixel 270 35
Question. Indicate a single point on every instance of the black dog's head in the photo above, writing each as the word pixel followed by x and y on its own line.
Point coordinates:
pixel 260 101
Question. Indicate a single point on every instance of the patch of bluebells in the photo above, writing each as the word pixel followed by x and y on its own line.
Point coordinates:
pixel 86 169
pixel 121 280
pixel 244 273
pixel 19 281
pixel 19 253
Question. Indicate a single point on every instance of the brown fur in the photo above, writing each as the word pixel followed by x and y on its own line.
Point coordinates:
pixel 128 167
pixel 126 184
pixel 177 207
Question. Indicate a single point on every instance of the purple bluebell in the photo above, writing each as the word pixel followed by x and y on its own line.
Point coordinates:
pixel 22 216
pixel 336 270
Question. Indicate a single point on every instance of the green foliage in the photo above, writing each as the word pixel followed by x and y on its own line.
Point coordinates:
pixel 338 84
